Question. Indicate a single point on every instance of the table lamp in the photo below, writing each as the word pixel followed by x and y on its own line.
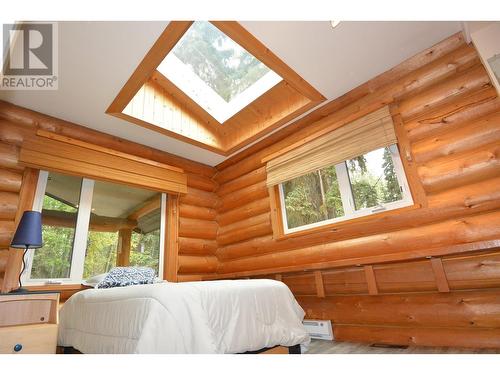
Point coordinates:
pixel 28 236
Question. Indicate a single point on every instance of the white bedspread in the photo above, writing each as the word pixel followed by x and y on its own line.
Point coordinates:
pixel 230 316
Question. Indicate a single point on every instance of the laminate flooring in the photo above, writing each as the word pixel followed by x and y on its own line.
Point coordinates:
pixel 334 347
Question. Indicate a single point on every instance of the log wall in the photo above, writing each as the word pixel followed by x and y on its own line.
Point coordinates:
pixel 423 276
pixel 197 225
pixel 401 278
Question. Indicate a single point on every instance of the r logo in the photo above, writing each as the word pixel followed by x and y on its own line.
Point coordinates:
pixel 28 49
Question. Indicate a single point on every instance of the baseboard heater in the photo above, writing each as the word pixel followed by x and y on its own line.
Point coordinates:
pixel 319 329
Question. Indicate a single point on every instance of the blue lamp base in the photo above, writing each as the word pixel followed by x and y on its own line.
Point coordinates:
pixel 21 290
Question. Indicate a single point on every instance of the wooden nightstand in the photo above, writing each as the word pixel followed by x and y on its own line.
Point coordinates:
pixel 28 322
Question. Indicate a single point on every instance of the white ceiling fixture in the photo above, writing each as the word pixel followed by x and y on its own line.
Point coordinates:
pixel 334 24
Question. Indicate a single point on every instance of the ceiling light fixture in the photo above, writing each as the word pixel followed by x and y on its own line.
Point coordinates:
pixel 334 24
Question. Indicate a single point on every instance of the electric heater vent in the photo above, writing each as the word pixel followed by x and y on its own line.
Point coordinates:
pixel 319 329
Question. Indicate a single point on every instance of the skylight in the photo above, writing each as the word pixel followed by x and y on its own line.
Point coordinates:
pixel 216 72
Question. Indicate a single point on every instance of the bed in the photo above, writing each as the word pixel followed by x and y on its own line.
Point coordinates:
pixel 227 316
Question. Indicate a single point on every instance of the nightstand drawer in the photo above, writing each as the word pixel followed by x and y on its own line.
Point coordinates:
pixel 29 339
pixel 30 311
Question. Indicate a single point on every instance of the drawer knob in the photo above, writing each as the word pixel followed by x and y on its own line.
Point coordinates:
pixel 18 348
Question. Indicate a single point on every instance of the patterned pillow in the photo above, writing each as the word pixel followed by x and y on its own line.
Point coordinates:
pixel 124 276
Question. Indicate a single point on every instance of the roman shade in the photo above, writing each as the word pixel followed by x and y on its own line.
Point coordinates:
pixel 373 131
pixel 54 152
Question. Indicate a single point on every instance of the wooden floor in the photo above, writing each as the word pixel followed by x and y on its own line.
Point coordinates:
pixel 332 347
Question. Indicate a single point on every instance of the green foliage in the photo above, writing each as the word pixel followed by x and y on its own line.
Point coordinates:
pixel 312 198
pixel 53 260
pixel 145 249
pixel 392 191
pixel 50 203
pixel 101 253
pixel 331 187
pixel 228 71
pixel 357 163
pixel 366 188
pixel 316 196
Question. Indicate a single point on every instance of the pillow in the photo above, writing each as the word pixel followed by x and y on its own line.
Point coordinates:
pixel 94 280
pixel 124 276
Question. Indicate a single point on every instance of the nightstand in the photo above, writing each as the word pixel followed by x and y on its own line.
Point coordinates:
pixel 28 322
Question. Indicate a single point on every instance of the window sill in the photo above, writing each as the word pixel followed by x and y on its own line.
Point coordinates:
pixel 333 227
pixel 66 290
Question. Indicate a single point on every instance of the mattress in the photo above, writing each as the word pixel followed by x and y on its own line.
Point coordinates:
pixel 227 316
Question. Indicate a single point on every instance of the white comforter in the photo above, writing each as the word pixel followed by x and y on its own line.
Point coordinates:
pixel 230 316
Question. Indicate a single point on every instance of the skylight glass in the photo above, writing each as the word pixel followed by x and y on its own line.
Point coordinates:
pixel 217 73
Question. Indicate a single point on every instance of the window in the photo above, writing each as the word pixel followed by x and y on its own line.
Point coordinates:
pixel 60 210
pixel 360 186
pixel 217 73
pixel 91 226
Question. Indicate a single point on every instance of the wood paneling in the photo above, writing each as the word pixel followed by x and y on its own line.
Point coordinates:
pixel 449 115
pixel 170 264
pixel 196 264
pixel 153 58
pixel 440 275
pixel 464 309
pixel 8 205
pixel 163 109
pixel 10 181
pixel 9 155
pixel 444 92
pixel 469 137
pixel 371 280
pixel 421 336
pixel 196 246
pixel 247 211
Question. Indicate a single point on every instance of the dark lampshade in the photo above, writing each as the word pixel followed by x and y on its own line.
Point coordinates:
pixel 29 231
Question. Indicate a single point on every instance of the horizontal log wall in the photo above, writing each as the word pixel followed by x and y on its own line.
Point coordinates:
pixel 197 225
pixel 451 115
pixel 11 176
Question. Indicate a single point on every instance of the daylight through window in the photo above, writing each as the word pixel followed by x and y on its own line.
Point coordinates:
pixel 361 186
pixel 217 73
pixel 91 226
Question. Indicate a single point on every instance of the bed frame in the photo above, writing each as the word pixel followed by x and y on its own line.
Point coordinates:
pixel 274 350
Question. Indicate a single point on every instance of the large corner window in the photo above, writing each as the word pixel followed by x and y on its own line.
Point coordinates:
pixel 367 184
pixel 216 72
pixel 91 226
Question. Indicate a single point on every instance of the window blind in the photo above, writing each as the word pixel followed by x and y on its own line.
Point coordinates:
pixel 62 154
pixel 373 131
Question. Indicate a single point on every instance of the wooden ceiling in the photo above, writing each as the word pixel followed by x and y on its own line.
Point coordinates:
pixel 150 100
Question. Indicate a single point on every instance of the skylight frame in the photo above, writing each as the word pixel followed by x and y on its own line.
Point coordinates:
pixel 206 97
pixel 151 101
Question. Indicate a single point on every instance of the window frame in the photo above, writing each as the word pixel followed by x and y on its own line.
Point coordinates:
pixel 178 72
pixel 79 248
pixel 350 212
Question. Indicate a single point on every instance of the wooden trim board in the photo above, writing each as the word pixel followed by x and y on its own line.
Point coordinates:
pixel 259 118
